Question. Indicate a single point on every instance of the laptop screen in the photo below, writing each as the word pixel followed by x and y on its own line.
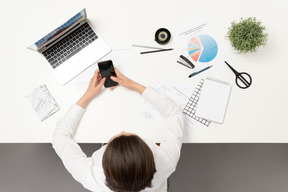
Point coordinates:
pixel 59 31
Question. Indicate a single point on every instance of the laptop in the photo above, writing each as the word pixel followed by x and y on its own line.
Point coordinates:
pixel 71 48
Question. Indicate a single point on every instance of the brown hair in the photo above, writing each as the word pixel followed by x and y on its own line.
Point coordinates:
pixel 128 164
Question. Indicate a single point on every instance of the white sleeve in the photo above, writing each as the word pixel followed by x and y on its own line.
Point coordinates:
pixel 171 142
pixel 74 159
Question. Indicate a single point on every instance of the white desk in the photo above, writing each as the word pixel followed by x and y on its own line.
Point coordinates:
pixel 258 114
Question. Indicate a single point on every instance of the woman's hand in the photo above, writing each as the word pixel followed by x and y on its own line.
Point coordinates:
pixel 95 85
pixel 128 83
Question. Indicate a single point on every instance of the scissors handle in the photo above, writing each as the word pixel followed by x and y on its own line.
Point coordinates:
pixel 240 77
pixel 243 80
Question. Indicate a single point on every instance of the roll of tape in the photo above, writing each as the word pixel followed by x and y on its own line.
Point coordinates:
pixel 162 36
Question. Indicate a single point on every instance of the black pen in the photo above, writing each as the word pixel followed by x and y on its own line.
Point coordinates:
pixel 195 73
pixel 156 51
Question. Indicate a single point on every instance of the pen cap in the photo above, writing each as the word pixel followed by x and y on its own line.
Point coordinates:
pixel 162 36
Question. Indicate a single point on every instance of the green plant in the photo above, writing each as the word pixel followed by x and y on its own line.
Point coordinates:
pixel 247 35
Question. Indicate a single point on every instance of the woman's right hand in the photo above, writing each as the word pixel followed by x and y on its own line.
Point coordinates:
pixel 128 83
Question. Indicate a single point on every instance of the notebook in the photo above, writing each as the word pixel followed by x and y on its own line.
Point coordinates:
pixel 213 100
pixel 192 103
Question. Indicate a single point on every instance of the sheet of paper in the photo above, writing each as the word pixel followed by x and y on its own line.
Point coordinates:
pixel 122 60
pixel 178 93
pixel 198 43
pixel 43 103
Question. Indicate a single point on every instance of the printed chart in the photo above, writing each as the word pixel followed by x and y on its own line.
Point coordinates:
pixel 202 48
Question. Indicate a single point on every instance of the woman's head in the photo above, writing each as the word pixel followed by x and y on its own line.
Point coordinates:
pixel 128 163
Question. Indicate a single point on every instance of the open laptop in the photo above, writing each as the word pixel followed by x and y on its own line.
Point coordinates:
pixel 71 48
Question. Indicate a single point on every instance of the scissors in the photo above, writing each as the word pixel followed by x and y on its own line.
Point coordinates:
pixel 243 80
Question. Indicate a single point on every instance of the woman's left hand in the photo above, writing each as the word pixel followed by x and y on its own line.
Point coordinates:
pixel 95 85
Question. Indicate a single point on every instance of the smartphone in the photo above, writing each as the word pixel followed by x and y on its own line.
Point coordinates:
pixel 107 70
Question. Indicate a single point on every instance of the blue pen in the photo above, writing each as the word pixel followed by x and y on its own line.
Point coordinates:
pixel 195 73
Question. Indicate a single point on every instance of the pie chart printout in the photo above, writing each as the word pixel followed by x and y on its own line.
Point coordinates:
pixel 202 48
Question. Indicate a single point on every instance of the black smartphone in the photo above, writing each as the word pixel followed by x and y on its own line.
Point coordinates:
pixel 107 70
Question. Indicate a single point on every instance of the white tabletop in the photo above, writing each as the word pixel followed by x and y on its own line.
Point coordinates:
pixel 258 114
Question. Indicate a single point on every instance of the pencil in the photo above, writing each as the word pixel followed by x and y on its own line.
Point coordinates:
pixel 160 50
pixel 144 46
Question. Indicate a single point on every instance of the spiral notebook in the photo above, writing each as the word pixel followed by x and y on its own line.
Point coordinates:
pixel 191 105
pixel 213 100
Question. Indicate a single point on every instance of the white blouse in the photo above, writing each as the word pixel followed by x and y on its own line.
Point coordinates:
pixel 88 170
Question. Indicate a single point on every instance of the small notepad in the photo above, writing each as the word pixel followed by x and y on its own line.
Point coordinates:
pixel 213 100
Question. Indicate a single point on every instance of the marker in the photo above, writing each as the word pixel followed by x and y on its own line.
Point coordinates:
pixel 195 73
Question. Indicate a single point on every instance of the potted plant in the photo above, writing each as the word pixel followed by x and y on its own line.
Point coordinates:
pixel 247 35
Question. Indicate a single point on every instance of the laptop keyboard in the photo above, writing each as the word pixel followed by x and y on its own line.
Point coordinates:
pixel 70 45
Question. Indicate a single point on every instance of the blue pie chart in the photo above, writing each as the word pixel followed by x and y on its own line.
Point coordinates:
pixel 202 48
